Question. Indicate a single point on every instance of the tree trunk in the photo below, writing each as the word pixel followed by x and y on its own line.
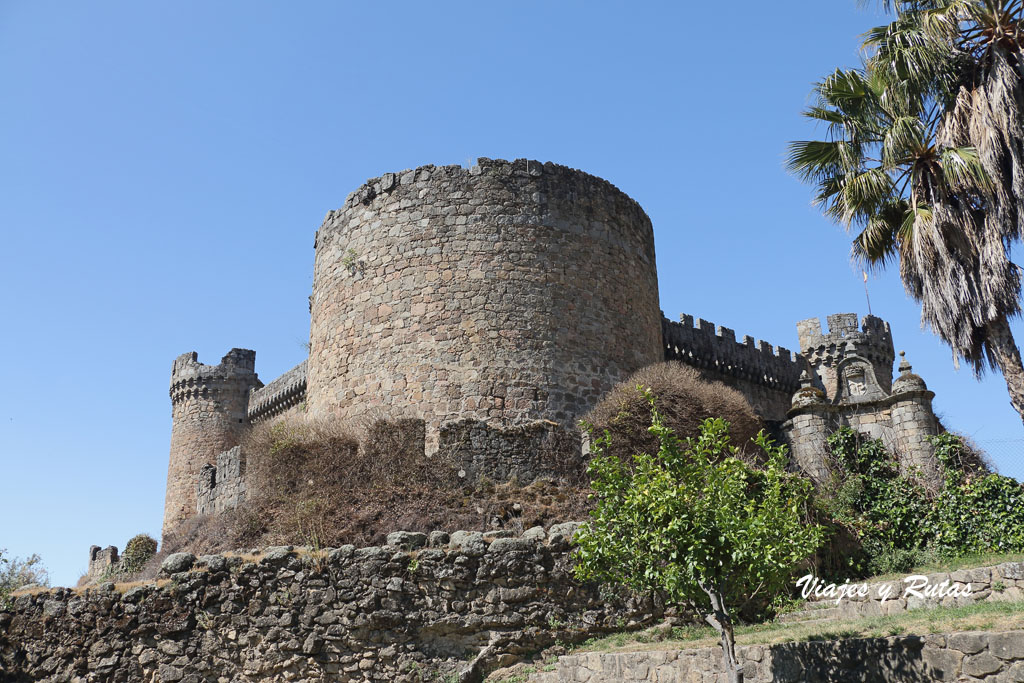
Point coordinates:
pixel 719 618
pixel 1007 356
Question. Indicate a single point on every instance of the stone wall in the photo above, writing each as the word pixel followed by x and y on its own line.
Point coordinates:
pixel 101 561
pixel 519 452
pixel 1000 583
pixel 767 376
pixel 826 352
pixel 222 487
pixel 209 405
pixel 970 656
pixel 285 393
pixel 506 292
pixel 417 609
pixel 899 413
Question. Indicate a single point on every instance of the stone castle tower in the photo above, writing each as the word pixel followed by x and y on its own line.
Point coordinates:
pixel 491 307
pixel 508 292
pixel 209 404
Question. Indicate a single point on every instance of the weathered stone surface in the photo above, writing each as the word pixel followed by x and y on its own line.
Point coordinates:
pixel 407 540
pixel 1007 645
pixel 981 665
pixel 481 273
pixel 209 404
pixel 377 614
pixel 177 562
pixel 438 539
pixel 901 659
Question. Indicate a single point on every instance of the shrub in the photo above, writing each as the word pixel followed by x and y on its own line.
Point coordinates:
pixel 885 511
pixel 16 573
pixel 325 483
pixel 897 524
pixel 683 398
pixel 975 512
pixel 136 553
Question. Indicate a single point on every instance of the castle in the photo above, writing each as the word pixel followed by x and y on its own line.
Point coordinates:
pixel 490 307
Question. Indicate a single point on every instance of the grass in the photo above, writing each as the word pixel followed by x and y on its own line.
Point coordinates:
pixel 952 564
pixel 987 616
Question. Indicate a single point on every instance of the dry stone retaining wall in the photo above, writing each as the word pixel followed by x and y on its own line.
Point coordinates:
pixel 419 607
pixel 972 656
pixel 1000 583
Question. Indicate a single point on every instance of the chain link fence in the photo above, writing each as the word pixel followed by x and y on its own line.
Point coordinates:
pixel 1006 455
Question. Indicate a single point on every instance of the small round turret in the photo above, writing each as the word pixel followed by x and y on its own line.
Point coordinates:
pixel 209 405
pixel 907 381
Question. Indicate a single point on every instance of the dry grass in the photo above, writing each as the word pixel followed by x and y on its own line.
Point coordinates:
pixel 323 483
pixel 684 398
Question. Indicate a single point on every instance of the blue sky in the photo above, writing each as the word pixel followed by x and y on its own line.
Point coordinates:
pixel 164 165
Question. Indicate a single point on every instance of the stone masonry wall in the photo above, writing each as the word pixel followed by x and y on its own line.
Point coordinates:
pixel 765 375
pixel 417 609
pixel 825 352
pixel 283 394
pixel 969 656
pixel 101 560
pixel 222 487
pixel 509 292
pixel 1000 583
pixel 522 453
pixel 209 417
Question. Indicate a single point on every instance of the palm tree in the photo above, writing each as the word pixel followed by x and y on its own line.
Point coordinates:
pixel 885 172
pixel 967 54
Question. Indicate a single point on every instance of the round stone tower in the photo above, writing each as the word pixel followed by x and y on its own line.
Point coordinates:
pixel 209 416
pixel 506 292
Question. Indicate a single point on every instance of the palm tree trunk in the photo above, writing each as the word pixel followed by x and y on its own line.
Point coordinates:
pixel 1007 356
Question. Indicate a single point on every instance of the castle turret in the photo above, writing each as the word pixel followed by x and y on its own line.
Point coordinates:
pixel 209 404
pixel 808 428
pixel 507 292
pixel 850 384
pixel 849 364
pixel 915 421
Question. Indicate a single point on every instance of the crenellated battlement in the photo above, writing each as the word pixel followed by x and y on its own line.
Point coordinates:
pixel 842 327
pixel 496 304
pixel 235 372
pixel 828 350
pixel 523 168
pixel 285 392
pixel 706 346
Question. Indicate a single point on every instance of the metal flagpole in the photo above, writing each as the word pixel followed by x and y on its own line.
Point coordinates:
pixel 866 295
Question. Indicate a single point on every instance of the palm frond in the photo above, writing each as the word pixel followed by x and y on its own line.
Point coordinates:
pixel 963 169
pixel 814 160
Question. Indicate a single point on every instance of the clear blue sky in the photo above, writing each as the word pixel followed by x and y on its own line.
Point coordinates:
pixel 164 165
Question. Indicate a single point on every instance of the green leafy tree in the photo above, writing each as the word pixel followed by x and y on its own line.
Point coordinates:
pixel 912 165
pixel 697 524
